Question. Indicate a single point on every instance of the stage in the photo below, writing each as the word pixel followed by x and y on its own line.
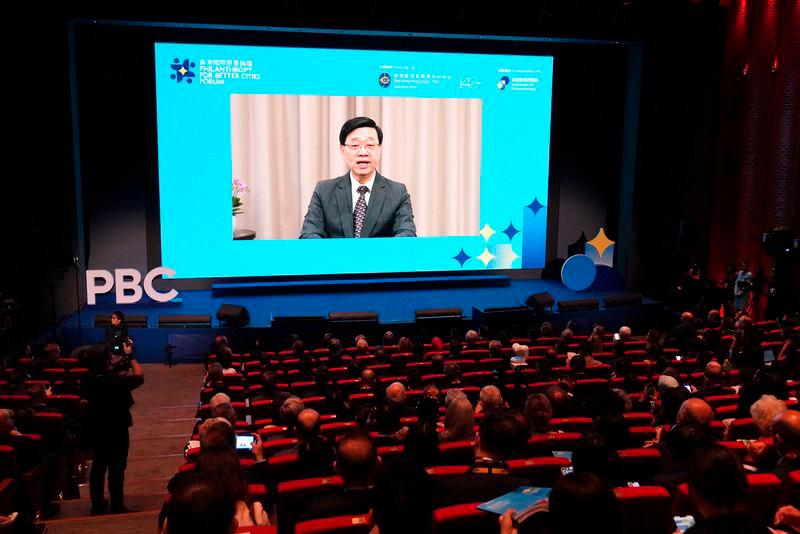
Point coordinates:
pixel 394 300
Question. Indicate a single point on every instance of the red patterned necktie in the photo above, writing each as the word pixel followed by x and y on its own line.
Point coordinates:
pixel 361 210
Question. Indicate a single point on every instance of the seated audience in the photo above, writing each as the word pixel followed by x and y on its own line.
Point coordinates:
pixel 357 463
pixel 488 477
pixel 717 488
pixel 459 421
pixel 539 412
pixel 490 400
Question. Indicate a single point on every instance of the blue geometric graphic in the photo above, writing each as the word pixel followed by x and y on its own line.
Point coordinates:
pixel 535 206
pixel 578 272
pixel 511 231
pixel 182 70
pixel 462 257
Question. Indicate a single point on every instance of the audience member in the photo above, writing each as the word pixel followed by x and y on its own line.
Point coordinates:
pixel 357 463
pixel 488 477
pixel 459 420
pixel 717 486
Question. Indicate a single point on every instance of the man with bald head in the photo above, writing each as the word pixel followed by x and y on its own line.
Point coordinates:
pixel 695 412
pixel 306 428
pixel 367 384
pixel 396 395
pixel 357 463
pixel 786 436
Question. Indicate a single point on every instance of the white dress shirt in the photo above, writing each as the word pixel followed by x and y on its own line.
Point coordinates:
pixel 355 184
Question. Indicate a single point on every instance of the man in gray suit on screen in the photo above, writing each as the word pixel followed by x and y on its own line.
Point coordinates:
pixel 362 203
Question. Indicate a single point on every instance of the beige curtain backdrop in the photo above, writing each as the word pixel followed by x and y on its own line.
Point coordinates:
pixel 282 145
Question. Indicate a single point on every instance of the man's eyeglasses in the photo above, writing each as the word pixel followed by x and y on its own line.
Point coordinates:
pixel 355 147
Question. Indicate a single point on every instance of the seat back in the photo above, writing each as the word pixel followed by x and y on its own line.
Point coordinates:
pixel 543 471
pixel 350 524
pixel 464 518
pixel 645 510
pixel 293 494
pixel 639 464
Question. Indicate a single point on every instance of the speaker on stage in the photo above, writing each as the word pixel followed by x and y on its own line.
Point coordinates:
pixel 578 305
pixel 233 315
pixel 540 301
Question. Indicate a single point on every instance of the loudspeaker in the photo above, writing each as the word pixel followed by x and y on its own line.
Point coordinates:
pixel 233 315
pixel 353 316
pixel 184 321
pixel 578 305
pixel 132 321
pixel 623 300
pixel 450 313
pixel 540 301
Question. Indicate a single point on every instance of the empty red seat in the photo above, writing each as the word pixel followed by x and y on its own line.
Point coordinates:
pixel 464 518
pixel 346 524
pixel 645 510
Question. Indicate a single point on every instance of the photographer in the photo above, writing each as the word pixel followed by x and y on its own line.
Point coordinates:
pixel 116 332
pixel 107 400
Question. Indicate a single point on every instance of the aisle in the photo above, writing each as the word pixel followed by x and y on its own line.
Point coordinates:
pixel 163 417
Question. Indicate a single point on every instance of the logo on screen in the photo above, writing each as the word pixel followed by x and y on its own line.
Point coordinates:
pixel 182 70
pixel 384 79
pixel 503 82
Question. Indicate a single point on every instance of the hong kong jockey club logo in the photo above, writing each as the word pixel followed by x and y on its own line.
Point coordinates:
pixel 182 70
pixel 384 79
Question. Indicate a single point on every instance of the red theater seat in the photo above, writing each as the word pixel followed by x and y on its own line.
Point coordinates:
pixel 464 518
pixel 256 530
pixel 440 472
pixel 351 524
pixel 543 443
pixel 457 453
pixel 639 464
pixel 743 428
pixel 543 471
pixel 791 489
pixel 572 424
pixel 645 510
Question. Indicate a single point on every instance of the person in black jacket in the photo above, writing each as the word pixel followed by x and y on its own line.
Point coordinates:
pixel 117 332
pixel 106 395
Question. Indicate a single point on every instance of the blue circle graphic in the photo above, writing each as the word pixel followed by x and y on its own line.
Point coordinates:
pixel 578 272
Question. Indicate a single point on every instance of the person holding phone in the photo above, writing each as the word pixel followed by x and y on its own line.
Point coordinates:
pixel 106 400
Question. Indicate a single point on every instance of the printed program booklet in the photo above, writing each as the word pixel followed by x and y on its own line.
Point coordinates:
pixel 525 501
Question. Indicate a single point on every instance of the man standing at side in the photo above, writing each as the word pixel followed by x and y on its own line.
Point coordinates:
pixel 106 396
pixel 361 203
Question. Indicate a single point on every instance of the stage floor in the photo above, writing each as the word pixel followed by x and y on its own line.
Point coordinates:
pixel 394 307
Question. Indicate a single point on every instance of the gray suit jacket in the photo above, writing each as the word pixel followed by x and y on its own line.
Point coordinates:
pixel 330 212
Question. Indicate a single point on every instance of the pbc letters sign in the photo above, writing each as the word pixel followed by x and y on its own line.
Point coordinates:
pixel 127 284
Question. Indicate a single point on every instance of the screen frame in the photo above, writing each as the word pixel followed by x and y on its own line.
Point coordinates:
pixel 346 39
